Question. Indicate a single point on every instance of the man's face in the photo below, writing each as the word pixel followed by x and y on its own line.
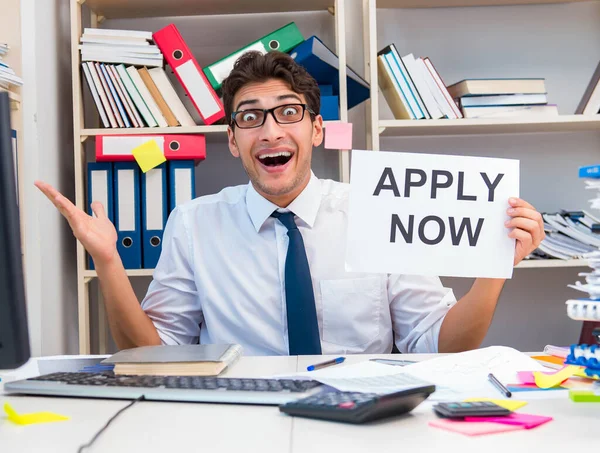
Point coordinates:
pixel 276 157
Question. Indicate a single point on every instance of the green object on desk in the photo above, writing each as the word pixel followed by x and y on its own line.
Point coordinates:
pixel 584 396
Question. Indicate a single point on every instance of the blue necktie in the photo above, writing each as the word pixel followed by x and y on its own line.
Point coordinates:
pixel 303 329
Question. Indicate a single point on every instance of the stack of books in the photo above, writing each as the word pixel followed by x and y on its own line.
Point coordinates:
pixel 8 77
pixel 413 88
pixel 126 79
pixel 501 98
pixel 124 71
pixel 591 175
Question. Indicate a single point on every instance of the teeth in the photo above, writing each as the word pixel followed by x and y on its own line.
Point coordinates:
pixel 283 153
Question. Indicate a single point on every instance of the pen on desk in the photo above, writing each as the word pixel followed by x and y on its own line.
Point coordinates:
pixel 318 366
pixel 494 380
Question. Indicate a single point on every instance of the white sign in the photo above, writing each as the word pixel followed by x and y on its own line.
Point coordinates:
pixel 428 214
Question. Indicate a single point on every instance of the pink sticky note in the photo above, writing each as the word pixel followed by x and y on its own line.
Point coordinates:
pixel 338 135
pixel 527 377
pixel 473 428
pixel 526 421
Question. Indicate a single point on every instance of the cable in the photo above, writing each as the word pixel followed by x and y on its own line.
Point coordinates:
pixel 89 444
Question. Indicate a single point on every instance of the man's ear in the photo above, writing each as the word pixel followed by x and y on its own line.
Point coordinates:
pixel 233 148
pixel 317 131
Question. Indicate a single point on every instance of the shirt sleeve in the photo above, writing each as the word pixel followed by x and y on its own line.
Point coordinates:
pixel 172 301
pixel 418 305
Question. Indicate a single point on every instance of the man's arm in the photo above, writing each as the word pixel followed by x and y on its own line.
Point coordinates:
pixel 129 325
pixel 465 325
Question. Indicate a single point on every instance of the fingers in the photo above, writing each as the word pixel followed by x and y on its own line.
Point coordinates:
pixel 519 203
pixel 528 226
pixel 98 209
pixel 523 237
pixel 66 208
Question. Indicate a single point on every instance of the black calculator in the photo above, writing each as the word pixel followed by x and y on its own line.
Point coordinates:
pixel 470 409
pixel 354 407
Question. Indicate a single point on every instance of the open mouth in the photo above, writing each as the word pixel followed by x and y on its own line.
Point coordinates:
pixel 275 159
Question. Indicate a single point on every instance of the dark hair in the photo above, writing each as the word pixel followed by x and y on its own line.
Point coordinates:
pixel 255 66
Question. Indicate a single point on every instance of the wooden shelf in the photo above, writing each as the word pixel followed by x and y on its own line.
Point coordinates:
pixel 537 264
pixel 88 275
pixel 111 9
pixel 455 3
pixel 563 123
pixel 221 128
pixel 527 264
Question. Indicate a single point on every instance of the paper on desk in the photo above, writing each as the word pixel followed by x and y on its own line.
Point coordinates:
pixel 366 377
pixel 468 371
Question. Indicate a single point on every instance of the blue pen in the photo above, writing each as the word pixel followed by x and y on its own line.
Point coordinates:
pixel 318 366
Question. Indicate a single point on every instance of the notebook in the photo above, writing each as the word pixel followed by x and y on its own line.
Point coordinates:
pixel 180 360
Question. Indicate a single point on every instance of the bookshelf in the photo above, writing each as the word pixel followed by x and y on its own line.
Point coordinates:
pixel 377 127
pixel 96 12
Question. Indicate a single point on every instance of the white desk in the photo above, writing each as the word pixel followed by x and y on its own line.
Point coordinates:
pixel 187 427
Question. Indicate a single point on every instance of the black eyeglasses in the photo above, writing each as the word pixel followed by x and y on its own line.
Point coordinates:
pixel 283 114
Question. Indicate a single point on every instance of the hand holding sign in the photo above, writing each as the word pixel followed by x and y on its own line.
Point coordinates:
pixel 528 227
pixel 438 215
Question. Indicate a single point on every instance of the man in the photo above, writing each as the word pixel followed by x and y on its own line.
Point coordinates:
pixel 262 264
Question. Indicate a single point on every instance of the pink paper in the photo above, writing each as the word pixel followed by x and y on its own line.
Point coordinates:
pixel 527 377
pixel 338 135
pixel 473 428
pixel 526 421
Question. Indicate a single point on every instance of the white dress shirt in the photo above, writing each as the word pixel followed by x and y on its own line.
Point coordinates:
pixel 220 279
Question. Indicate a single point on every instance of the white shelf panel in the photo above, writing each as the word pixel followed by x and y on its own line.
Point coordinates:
pixel 112 9
pixel 130 273
pixel 537 264
pixel 562 123
pixel 221 128
pixel 529 264
pixel 455 3
pixel 217 129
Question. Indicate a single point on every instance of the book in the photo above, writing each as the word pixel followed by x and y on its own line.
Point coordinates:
pixel 504 99
pixel 471 87
pixel 180 360
pixel 492 111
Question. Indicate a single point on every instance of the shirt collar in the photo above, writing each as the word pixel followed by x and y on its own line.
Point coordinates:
pixel 305 205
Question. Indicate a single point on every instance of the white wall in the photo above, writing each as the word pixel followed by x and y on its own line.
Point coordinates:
pixel 48 153
pixel 558 42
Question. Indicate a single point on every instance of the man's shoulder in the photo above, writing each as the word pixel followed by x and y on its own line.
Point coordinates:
pixel 228 196
pixel 334 189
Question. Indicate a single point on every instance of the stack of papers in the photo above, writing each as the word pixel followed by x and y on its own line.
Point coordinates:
pixel 568 238
pixel 592 284
pixel 120 46
pixel 456 376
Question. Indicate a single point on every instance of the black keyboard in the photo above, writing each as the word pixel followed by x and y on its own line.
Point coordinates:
pixel 166 388
pixel 353 407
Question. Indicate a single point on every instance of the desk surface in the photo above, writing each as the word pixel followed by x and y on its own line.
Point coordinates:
pixel 186 427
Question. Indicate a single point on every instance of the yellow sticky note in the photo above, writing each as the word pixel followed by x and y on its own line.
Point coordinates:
pixel 35 417
pixel 148 155
pixel 511 405
pixel 547 381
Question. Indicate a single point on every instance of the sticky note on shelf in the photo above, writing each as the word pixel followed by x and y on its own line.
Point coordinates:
pixel 33 418
pixel 148 155
pixel 511 405
pixel 546 381
pixel 338 135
